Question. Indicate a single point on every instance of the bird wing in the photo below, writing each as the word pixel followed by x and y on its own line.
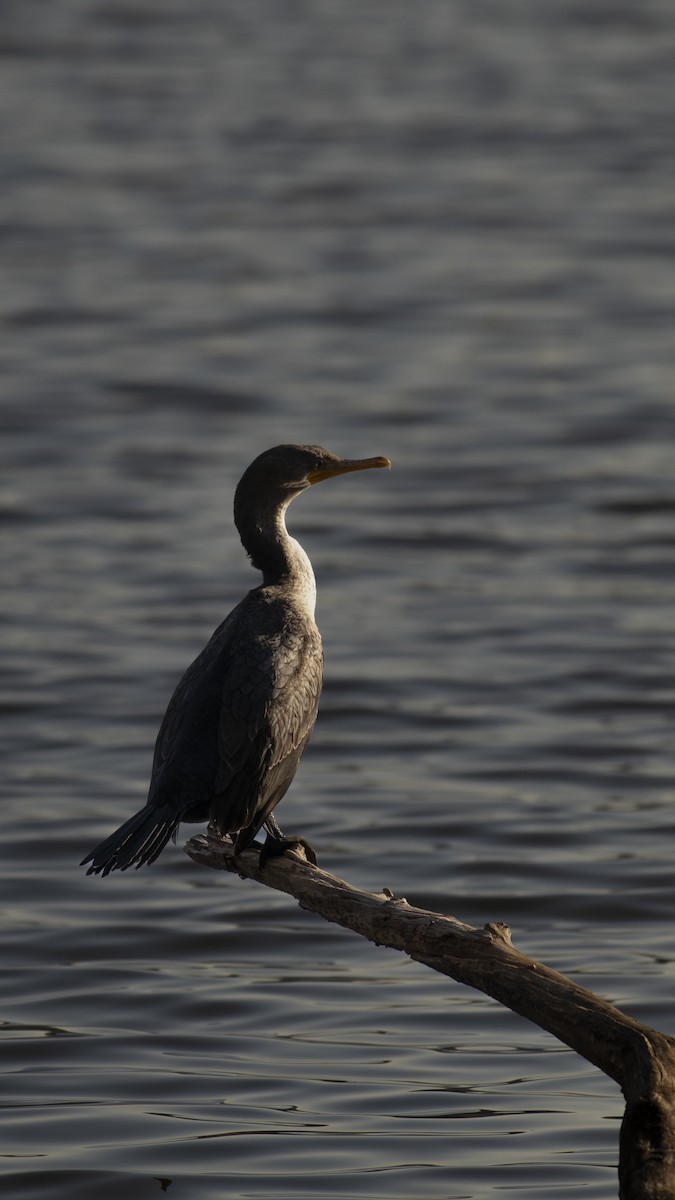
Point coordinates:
pixel 269 702
pixel 191 698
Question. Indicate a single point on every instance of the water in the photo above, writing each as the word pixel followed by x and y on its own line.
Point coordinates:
pixel 444 234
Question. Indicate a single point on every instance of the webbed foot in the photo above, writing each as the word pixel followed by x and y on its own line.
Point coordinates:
pixel 274 847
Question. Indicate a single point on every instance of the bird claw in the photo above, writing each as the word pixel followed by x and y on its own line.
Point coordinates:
pixel 275 847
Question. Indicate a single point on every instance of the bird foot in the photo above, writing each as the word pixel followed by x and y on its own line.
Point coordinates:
pixel 275 847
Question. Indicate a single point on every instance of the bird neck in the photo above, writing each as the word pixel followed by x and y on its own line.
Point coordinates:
pixel 273 551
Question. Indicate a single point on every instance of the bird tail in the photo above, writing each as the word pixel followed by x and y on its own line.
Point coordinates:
pixel 140 840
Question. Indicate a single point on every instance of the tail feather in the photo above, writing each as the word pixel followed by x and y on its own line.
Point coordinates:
pixel 140 840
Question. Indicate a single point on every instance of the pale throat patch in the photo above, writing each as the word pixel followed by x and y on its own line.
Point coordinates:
pixel 304 575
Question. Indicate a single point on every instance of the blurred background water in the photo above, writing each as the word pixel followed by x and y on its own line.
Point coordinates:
pixel 441 232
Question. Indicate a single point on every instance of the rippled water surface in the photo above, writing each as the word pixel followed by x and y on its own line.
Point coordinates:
pixel 441 233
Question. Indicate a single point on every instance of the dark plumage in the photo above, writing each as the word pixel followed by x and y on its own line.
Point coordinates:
pixel 241 716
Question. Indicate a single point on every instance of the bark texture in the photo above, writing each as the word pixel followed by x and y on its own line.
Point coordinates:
pixel 640 1059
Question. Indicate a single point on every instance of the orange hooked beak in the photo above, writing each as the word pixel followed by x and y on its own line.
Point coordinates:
pixel 344 465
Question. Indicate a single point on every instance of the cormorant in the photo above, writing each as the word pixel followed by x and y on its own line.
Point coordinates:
pixel 241 716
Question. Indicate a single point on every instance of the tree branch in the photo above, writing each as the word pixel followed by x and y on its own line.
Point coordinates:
pixel 640 1059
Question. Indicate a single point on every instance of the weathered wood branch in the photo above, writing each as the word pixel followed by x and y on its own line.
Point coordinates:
pixel 641 1060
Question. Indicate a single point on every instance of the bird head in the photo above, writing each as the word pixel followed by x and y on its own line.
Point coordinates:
pixel 267 487
pixel 285 471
